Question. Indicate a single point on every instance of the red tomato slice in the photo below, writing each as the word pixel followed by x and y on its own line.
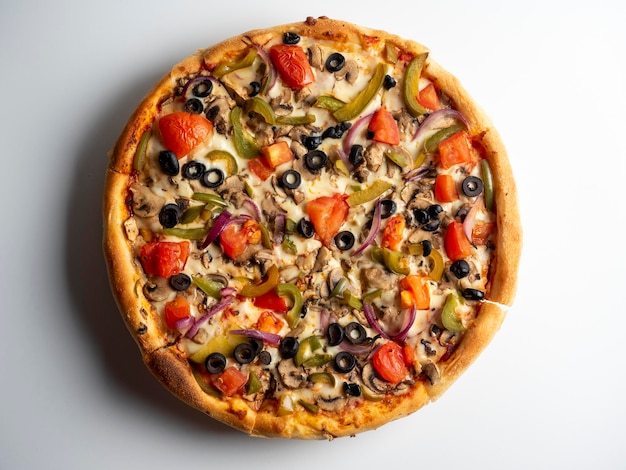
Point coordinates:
pixel 176 310
pixel 182 132
pixel 277 154
pixel 455 149
pixel 417 287
pixel 384 127
pixel 481 233
pixel 429 98
pixel 394 232
pixel 271 301
pixel 328 214
pixel 292 65
pixel 230 381
pixel 445 189
pixel 269 323
pixel 389 362
pixel 164 259
pixel 235 239
pixel 260 168
pixel 455 242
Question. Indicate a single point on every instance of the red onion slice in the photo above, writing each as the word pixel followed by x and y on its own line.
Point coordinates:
pixel 225 302
pixel 269 338
pixel 270 70
pixel 470 219
pixel 218 226
pixel 438 120
pixel 353 132
pixel 368 310
pixel 280 223
pixel 183 325
pixel 253 209
pixel 401 335
pixel 417 173
pixel 373 230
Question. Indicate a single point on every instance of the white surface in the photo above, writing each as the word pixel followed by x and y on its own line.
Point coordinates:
pixel 549 392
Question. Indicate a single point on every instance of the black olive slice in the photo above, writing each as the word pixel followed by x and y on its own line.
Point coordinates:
pixel 291 38
pixel 212 178
pixel 344 240
pixel 435 210
pixel 389 82
pixel 255 88
pixel 315 160
pixel 333 132
pixel 355 332
pixel 257 344
pixel 244 353
pixel 460 268
pixel 334 334
pixel 288 347
pixel 387 208
pixel 202 88
pixel 290 179
pixel 169 215
pixel 193 170
pixel 311 142
pixel 431 226
pixel 169 163
pixel 473 294
pixel 422 216
pixel 356 155
pixel 180 281
pixel 427 247
pixel 344 362
pixel 305 228
pixel 265 357
pixel 352 389
pixel 335 62
pixel 194 105
pixel 472 186
pixel 215 363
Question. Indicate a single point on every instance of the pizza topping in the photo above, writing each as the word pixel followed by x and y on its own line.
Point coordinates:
pixel 292 65
pixel 335 62
pixel 215 363
pixel 182 131
pixel 169 163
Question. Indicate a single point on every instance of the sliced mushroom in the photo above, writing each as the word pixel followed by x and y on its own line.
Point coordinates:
pixel 379 278
pixel 145 202
pixel 130 227
pixel 291 376
pixel 349 72
pixel 157 289
pixel 323 256
pixel 282 103
pixel 373 382
pixel 233 190
pixel 219 113
pixel 331 401
pixel 430 371
pixel 316 58
pixel 374 155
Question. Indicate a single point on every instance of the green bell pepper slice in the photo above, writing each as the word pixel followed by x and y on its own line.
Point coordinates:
pixel 246 146
pixel 431 144
pixel 322 377
pixel 223 155
pixel 310 407
pixel 410 88
pixel 394 261
pixel 262 108
pixel 199 233
pixel 368 194
pixel 191 214
pixel 449 318
pixel 329 102
pixel 253 385
pixel 257 290
pixel 209 287
pixel 485 172
pixel 352 300
pixel 140 154
pixel 242 62
pixel 291 291
pixel 306 351
pixel 208 198
pixel 355 107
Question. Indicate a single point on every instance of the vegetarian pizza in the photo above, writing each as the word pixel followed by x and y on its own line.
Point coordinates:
pixel 310 230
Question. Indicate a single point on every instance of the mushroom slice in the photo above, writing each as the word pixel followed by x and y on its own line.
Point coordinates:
pixel 430 371
pixel 157 289
pixel 145 202
pixel 291 376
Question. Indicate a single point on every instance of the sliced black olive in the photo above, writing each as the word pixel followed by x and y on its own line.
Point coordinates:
pixel 356 155
pixel 473 294
pixel 387 208
pixel 335 62
pixel 355 332
pixel 170 215
pixel 344 362
pixel 180 281
pixel 215 363
pixel 265 357
pixel 389 82
pixel 290 179
pixel 288 347
pixel 255 89
pixel 472 186
pixel 431 226
pixel 352 389
pixel 244 353
pixel 335 132
pixel 212 178
pixel 435 210
pixel 193 170
pixel 311 142
pixel 344 240
pixel 194 105
pixel 460 268
pixel 422 216
pixel 291 38
pixel 203 88
pixel 257 344
pixel 305 228
pixel 212 113
pixel 427 247
pixel 334 334
pixel 315 160
pixel 169 163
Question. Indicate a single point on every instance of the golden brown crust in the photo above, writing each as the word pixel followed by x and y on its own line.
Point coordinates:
pixel 170 366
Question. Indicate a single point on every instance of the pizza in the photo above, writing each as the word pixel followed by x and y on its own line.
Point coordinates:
pixel 310 230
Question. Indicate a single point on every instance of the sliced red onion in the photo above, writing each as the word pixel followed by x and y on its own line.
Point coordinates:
pixel 221 305
pixel 373 230
pixel 417 173
pixel 228 291
pixel 439 120
pixel 271 71
pixel 218 226
pixel 401 335
pixel 354 131
pixel 324 319
pixel 368 310
pixel 343 156
pixel 280 223
pixel 470 219
pixel 183 325
pixel 269 338
pixel 253 208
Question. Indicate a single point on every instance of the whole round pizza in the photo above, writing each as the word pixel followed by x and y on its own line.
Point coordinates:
pixel 310 230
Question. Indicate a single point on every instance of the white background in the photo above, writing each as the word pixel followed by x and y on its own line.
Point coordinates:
pixel 549 392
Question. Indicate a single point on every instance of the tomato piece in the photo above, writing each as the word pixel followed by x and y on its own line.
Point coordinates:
pixel 328 214
pixel 455 149
pixel 272 301
pixel 260 168
pixel 176 310
pixel 384 127
pixel 182 132
pixel 481 232
pixel 277 154
pixel 292 65
pixel 393 234
pixel 409 354
pixel 269 323
pixel 445 189
pixel 230 381
pixel 417 292
pixel 388 361
pixel 236 238
pixel 455 242
pixel 164 259
pixel 429 98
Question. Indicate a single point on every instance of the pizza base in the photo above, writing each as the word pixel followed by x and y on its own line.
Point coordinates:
pixel 167 363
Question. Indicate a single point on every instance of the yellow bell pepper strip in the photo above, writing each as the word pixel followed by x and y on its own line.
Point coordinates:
pixel 329 102
pixel 223 155
pixel 485 171
pixel 256 290
pixel 355 107
pixel 246 146
pixel 245 60
pixel 410 89
pixel 187 233
pixel 140 153
pixel 369 194
pixel 449 318
pixel 294 294
pixel 209 287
